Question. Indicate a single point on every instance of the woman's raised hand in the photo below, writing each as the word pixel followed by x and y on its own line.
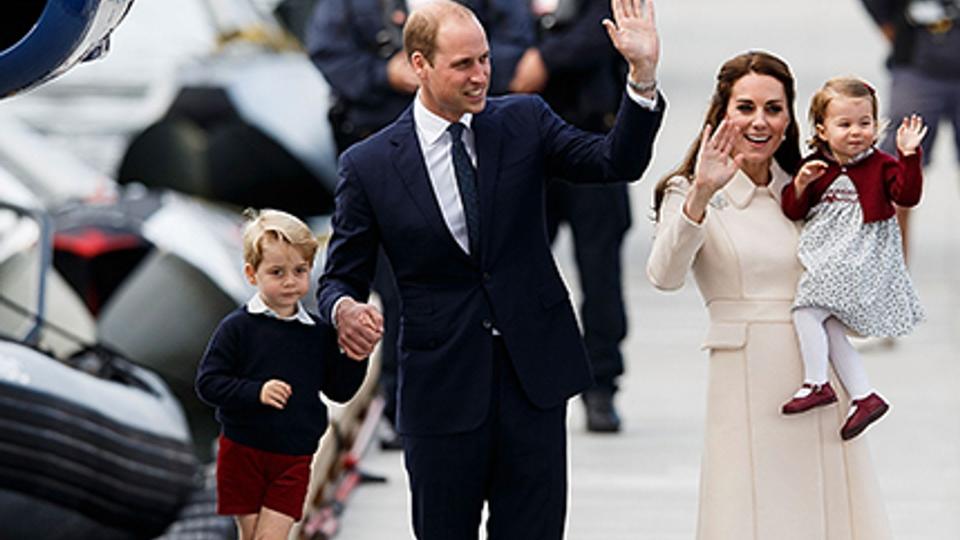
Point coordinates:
pixel 715 164
pixel 715 167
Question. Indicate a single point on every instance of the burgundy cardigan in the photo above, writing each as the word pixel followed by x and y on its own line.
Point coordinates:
pixel 880 180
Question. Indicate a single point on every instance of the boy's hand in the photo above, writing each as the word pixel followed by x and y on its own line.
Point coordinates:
pixel 910 134
pixel 275 393
pixel 808 174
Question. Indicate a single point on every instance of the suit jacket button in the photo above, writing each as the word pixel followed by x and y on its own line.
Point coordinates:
pixel 487 324
pixel 486 276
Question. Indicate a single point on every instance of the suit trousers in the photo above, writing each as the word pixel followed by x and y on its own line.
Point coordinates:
pixel 515 461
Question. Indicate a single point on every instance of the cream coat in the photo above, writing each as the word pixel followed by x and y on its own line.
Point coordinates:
pixel 764 476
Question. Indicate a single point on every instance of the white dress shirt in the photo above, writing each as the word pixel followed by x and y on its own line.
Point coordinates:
pixel 436 144
pixel 256 305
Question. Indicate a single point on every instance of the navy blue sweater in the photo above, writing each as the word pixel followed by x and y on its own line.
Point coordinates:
pixel 246 351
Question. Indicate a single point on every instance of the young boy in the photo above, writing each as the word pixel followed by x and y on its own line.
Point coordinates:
pixel 263 370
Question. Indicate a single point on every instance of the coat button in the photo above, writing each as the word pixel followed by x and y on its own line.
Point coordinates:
pixel 486 276
pixel 487 324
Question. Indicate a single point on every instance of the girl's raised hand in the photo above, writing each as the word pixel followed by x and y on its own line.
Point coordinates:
pixel 808 174
pixel 910 134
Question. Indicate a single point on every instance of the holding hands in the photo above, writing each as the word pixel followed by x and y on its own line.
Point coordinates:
pixel 910 133
pixel 275 393
pixel 633 32
pixel 359 328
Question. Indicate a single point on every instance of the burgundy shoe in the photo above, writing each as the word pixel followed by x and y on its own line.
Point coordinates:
pixel 863 412
pixel 809 397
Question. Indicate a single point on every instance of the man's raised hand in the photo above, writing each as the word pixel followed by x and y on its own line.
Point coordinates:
pixel 633 32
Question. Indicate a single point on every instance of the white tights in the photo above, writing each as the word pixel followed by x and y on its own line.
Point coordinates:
pixel 822 336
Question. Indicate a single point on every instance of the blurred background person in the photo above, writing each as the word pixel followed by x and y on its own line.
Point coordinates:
pixel 924 65
pixel 357 46
pixel 578 72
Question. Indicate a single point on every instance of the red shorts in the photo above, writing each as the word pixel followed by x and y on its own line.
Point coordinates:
pixel 249 479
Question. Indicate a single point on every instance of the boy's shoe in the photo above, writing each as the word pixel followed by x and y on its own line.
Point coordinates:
pixel 809 397
pixel 863 412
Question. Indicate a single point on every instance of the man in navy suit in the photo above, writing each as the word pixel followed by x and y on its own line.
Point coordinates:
pixel 358 47
pixel 489 347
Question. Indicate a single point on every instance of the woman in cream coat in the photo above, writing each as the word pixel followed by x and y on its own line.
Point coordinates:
pixel 764 476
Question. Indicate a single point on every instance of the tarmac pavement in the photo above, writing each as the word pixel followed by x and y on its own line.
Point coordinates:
pixel 642 483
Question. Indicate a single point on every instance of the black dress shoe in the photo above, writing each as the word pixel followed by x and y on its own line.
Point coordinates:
pixel 602 416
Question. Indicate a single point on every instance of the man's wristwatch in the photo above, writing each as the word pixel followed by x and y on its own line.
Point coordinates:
pixel 642 88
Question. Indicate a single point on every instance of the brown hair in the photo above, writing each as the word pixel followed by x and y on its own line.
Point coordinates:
pixel 422 26
pixel 850 87
pixel 278 226
pixel 762 63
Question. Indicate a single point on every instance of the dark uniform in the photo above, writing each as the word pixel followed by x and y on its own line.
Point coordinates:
pixel 924 64
pixel 586 80
pixel 351 41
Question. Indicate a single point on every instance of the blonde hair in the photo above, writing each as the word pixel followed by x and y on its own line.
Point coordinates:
pixel 277 225
pixel 849 87
pixel 421 28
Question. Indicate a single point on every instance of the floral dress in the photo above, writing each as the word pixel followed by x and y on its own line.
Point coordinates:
pixel 855 270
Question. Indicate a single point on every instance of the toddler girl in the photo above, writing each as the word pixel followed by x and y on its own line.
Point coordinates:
pixel 855 277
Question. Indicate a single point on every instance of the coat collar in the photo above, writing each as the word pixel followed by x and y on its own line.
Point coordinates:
pixel 741 190
pixel 488 138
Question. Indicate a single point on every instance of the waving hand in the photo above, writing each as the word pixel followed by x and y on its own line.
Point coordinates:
pixel 633 32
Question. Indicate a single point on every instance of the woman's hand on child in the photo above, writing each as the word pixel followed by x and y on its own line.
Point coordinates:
pixel 808 174
pixel 910 134
pixel 275 393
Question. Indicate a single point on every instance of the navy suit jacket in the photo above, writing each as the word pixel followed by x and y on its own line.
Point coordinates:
pixel 449 302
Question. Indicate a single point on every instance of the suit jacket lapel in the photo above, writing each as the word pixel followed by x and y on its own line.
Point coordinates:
pixel 408 162
pixel 487 138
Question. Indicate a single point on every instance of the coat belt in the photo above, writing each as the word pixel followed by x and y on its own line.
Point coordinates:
pixel 750 310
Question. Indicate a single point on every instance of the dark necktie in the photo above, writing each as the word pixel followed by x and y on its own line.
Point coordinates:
pixel 467 183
